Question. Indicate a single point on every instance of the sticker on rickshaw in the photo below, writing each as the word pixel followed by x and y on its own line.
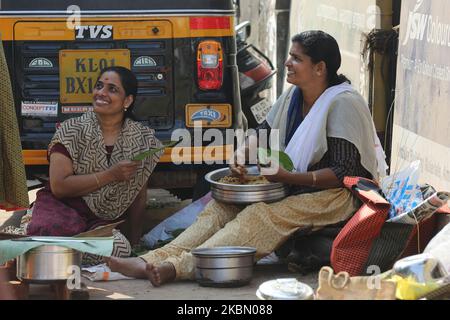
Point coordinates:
pixel 40 109
pixel 209 116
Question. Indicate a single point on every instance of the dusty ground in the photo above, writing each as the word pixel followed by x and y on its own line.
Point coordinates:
pixel 187 290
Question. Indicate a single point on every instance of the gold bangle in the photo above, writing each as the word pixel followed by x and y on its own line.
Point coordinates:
pixel 314 178
pixel 98 182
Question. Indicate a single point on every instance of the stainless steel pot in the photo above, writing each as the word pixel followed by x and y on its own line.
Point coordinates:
pixel 224 266
pixel 244 194
pixel 47 263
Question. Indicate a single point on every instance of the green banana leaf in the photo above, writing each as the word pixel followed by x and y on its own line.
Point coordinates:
pixel 265 156
pixel 150 152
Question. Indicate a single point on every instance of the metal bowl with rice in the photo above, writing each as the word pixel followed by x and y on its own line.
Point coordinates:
pixel 244 194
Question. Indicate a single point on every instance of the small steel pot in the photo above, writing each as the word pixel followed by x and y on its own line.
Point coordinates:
pixel 47 263
pixel 224 266
pixel 244 194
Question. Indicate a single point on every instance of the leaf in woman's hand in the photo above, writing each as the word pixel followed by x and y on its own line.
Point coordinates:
pixel 285 160
pixel 150 152
pixel 170 144
pixel 266 156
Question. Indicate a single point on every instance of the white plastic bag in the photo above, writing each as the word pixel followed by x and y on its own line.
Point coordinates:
pixel 402 190
pixel 102 272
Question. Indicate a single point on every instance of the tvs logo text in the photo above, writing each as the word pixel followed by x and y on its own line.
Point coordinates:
pixel 93 32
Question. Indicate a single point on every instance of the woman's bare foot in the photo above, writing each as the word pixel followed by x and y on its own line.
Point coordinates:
pixel 160 274
pixel 131 267
pixel 138 268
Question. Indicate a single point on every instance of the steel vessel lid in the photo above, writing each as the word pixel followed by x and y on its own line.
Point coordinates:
pixel 285 289
pixel 223 251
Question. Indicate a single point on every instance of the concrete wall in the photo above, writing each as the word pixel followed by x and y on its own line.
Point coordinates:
pixel 345 20
pixel 283 10
pixel 263 18
pixel 348 21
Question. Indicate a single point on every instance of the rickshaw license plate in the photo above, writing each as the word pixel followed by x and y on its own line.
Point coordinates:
pixel 260 110
pixel 79 69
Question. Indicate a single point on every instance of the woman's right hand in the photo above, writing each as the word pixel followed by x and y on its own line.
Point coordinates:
pixel 237 170
pixel 124 170
pixel 237 166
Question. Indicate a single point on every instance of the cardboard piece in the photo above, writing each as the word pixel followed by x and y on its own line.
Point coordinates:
pixel 103 231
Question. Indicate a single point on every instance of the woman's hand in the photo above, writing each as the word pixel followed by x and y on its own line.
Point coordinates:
pixel 237 166
pixel 239 172
pixel 274 173
pixel 124 170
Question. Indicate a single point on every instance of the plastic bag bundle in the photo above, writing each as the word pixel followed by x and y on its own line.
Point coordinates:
pixel 402 190
pixel 424 210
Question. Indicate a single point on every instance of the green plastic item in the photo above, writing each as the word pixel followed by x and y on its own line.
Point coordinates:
pixel 10 249
pixel 152 151
pixel 266 156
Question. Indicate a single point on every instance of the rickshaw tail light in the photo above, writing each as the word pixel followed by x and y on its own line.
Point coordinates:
pixel 205 23
pixel 210 65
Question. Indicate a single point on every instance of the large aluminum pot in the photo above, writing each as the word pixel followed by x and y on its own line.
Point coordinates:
pixel 244 194
pixel 47 263
pixel 224 266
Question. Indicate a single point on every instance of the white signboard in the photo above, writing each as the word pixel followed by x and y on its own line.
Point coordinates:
pixel 347 21
pixel 422 109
